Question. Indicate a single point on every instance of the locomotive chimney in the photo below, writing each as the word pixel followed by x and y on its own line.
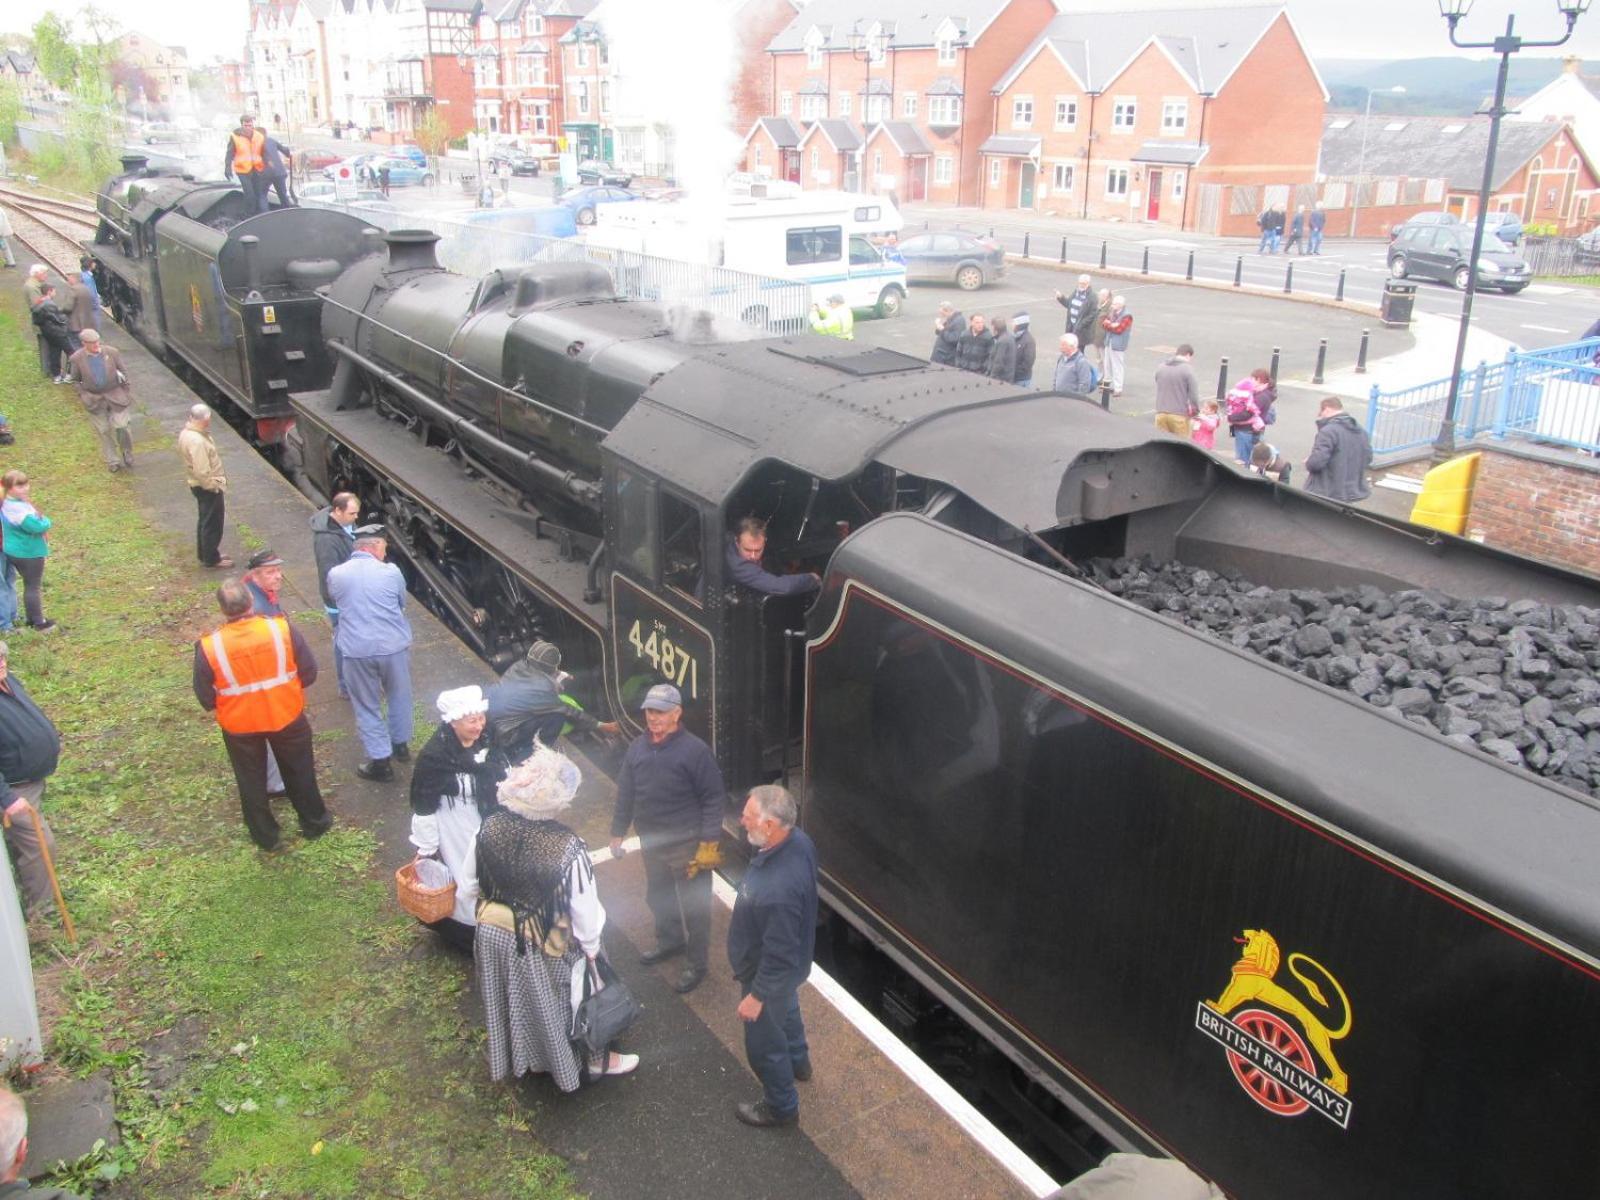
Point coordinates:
pixel 132 164
pixel 252 262
pixel 412 250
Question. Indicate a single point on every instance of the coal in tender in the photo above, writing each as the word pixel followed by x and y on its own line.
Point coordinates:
pixel 1517 680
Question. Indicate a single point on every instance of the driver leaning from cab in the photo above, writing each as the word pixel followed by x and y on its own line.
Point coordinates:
pixel 746 545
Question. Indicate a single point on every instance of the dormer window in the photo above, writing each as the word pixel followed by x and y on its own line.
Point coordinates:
pixel 945 39
pixel 814 44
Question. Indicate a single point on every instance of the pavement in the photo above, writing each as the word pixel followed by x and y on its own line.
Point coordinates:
pixel 668 1131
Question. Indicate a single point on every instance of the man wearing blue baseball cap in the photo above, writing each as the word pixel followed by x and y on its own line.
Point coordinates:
pixel 671 791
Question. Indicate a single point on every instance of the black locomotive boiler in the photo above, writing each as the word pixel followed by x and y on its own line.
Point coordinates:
pixel 188 270
pixel 1198 905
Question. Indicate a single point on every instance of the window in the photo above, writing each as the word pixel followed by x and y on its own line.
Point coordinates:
pixel 583 54
pixel 488 73
pixel 636 535
pixel 785 103
pixel 605 95
pixel 583 98
pixel 944 110
pixel 908 106
pixel 816 159
pixel 813 108
pixel 994 172
pixel 1022 112
pixel 947 51
pixel 1116 181
pixel 756 155
pixel 1061 177
pixel 943 169
pixel 841 104
pixel 1123 112
pixel 875 109
pixel 1174 117
pixel 680 546
pixel 816 244
pixel 541 117
pixel 863 253
pixel 814 53
pixel 534 25
pixel 1179 180
pixel 877 162
pixel 1066 113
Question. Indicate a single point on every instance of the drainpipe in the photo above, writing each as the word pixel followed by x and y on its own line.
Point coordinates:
pixel 961 129
pixel 1088 155
pixel 1188 183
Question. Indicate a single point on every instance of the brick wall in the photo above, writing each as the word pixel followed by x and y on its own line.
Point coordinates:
pixel 756 24
pixel 453 93
pixel 1535 504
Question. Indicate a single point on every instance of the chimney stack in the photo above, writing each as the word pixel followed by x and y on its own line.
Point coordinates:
pixel 412 250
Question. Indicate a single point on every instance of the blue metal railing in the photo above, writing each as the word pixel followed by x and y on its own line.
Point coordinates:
pixel 1549 395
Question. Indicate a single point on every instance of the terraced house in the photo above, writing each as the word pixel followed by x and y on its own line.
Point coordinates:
pixel 1186 117
pixel 892 97
pixel 518 78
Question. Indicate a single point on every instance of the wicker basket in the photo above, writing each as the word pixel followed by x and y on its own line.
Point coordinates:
pixel 426 904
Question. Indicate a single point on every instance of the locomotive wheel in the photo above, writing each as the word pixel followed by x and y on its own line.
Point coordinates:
pixel 1265 1089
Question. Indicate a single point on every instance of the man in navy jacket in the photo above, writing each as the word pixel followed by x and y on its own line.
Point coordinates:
pixel 771 937
pixel 745 548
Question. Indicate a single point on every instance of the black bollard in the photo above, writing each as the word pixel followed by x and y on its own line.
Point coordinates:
pixel 1189 271
pixel 1361 354
pixel 926 225
pixel 1105 394
pixel 1288 279
pixel 1144 267
pixel 1339 295
pixel 991 231
pixel 1273 370
pixel 1222 379
pixel 1322 360
pixel 1102 256
pixel 1238 270
pixel 1063 250
pixel 1025 238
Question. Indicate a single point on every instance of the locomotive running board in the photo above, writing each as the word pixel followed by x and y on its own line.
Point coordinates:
pixel 505 533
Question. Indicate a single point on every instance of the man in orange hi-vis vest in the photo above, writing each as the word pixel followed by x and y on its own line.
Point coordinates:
pixel 253 673
pixel 245 156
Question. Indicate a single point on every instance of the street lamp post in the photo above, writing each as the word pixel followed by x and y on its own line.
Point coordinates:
pixel 1444 446
pixel 1361 162
pixel 869 48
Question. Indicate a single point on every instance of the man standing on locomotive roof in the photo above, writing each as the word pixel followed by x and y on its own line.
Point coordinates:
pixel 375 639
pixel 245 156
pixel 670 789
pixel 333 541
pixel 771 937
pixel 745 548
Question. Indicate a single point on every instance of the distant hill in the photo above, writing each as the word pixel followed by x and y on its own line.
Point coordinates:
pixel 1443 86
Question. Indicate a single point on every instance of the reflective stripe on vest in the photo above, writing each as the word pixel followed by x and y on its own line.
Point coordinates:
pixel 270 700
pixel 247 152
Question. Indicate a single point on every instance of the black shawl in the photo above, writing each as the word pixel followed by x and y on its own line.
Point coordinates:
pixel 524 865
pixel 446 772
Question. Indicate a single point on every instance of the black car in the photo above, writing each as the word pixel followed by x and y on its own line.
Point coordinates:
pixel 950 256
pixel 592 170
pixel 520 162
pixel 1444 252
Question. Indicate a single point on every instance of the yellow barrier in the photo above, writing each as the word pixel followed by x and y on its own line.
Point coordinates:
pixel 1446 498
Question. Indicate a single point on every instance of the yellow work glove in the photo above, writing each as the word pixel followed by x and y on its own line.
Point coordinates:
pixel 707 857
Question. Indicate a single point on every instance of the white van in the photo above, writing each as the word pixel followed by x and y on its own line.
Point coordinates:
pixel 822 239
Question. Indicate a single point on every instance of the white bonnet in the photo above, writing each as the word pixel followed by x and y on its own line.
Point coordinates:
pixel 462 702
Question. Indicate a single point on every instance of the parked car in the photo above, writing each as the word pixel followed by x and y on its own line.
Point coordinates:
pixel 1587 250
pixel 316 160
pixel 593 171
pixel 1506 226
pixel 1421 219
pixel 347 168
pixel 409 150
pixel 160 131
pixel 964 259
pixel 1444 252
pixel 520 162
pixel 584 200
pixel 403 172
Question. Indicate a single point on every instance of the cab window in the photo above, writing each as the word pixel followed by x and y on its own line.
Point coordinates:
pixel 862 252
pixel 636 525
pixel 681 564
pixel 817 244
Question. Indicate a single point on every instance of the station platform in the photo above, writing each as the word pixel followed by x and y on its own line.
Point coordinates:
pixel 874 1121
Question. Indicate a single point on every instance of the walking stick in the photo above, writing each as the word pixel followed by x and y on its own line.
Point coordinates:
pixel 50 869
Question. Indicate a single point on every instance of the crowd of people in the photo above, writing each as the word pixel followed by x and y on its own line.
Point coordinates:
pixel 1304 230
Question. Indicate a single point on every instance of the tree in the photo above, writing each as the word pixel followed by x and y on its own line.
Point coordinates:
pixel 432 133
pixel 54 52
pixel 10 110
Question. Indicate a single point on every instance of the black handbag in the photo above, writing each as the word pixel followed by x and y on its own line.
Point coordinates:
pixel 607 1012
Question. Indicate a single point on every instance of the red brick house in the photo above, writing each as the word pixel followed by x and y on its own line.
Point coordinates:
pixel 772 149
pixel 1405 165
pixel 829 150
pixel 519 81
pixel 926 66
pixel 1158 116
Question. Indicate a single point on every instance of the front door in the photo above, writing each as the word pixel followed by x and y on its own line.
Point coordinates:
pixel 1025 195
pixel 919 178
pixel 791 165
pixel 1152 211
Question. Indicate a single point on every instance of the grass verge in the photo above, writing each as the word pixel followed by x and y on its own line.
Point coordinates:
pixel 266 1026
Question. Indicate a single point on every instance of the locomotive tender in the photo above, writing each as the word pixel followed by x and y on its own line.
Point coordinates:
pixel 1216 909
pixel 184 266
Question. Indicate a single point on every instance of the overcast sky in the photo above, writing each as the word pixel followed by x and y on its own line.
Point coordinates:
pixel 1333 28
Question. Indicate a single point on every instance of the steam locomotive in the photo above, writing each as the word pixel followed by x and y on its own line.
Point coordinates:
pixel 1195 904
pixel 185 266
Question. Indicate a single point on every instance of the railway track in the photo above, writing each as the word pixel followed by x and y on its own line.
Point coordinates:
pixel 55 229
